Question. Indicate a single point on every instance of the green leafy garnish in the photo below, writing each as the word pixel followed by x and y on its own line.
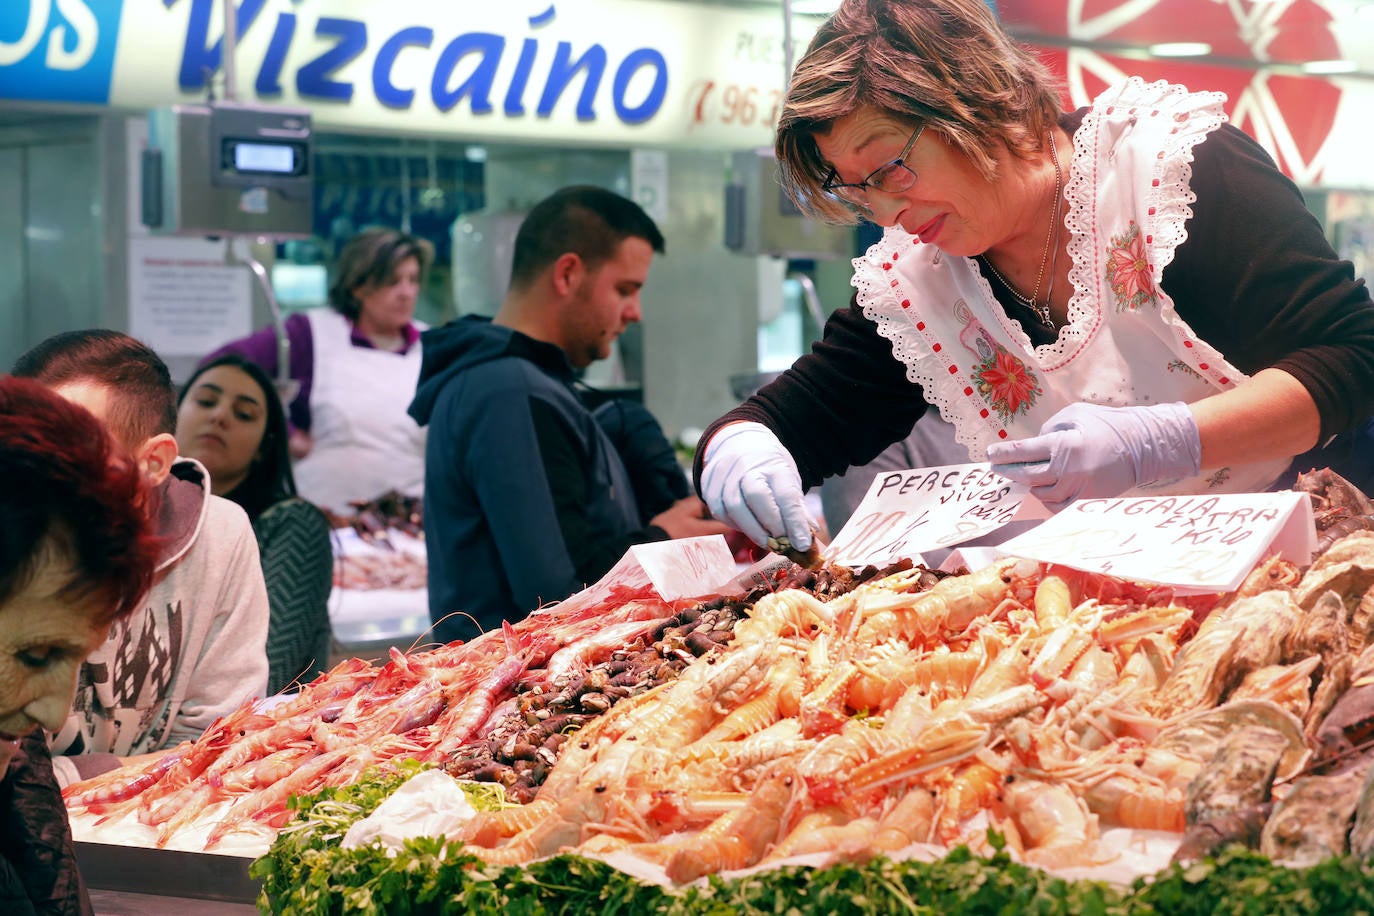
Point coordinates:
pixel 306 872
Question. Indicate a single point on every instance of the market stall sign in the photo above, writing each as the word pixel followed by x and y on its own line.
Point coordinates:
pixel 1202 543
pixel 907 512
pixel 627 72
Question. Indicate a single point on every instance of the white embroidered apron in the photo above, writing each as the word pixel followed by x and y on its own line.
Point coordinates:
pixel 1128 194
pixel 364 441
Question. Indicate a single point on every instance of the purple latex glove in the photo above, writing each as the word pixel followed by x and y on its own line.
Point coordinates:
pixel 1090 451
pixel 750 481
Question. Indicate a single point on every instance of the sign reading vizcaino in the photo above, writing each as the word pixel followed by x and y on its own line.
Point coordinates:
pixel 599 71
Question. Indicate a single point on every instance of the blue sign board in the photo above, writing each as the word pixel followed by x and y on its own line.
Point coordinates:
pixel 58 50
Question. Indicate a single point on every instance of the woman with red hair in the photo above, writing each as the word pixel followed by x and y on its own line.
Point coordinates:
pixel 76 554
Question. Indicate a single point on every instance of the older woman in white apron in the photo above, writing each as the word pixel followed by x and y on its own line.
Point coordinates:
pixel 357 363
pixel 1126 298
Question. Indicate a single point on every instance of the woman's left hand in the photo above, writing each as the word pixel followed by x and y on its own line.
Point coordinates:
pixel 1091 451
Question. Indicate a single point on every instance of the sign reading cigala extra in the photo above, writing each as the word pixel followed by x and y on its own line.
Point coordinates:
pixel 609 72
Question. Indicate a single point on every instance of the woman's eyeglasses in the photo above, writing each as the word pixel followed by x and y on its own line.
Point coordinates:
pixel 892 178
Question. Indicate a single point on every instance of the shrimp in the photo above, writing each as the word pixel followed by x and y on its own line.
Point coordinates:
pixel 486 828
pixel 121 784
pixel 707 763
pixel 1054 824
pixel 948 607
pixel 560 827
pixel 1053 601
pixel 909 821
pixel 250 807
pixel 884 674
pixel 763 710
pixel 740 838
pixel 579 654
pixel 974 787
pixel 945 740
pixel 821 831
pixel 823 710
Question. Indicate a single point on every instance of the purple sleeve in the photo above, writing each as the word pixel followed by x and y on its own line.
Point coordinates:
pixel 261 348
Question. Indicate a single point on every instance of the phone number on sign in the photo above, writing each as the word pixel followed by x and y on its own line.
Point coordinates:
pixel 711 102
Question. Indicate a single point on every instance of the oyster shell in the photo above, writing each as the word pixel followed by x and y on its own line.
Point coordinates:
pixel 1227 802
pixel 1362 834
pixel 1200 734
pixel 1232 642
pixel 1312 823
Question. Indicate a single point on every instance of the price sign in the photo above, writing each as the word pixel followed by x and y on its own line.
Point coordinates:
pixel 906 512
pixel 1202 543
pixel 686 567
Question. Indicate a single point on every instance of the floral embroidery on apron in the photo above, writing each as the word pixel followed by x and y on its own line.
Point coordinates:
pixel 1129 271
pixel 1002 378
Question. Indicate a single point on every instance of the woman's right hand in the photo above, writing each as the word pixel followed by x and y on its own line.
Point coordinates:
pixel 299 444
pixel 749 480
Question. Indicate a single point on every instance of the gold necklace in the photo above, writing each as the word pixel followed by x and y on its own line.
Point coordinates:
pixel 1051 241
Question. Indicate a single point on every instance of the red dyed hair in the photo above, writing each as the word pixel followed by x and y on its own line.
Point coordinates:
pixel 69 489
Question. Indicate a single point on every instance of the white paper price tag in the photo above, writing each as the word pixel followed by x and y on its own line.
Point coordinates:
pixel 907 512
pixel 1201 543
pixel 686 567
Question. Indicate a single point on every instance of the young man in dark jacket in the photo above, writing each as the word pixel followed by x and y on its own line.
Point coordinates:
pixel 526 498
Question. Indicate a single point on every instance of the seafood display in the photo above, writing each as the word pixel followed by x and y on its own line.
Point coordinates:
pixel 380 544
pixel 842 715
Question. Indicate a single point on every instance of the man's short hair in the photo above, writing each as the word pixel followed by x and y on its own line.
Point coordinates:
pixel 143 401
pixel 588 221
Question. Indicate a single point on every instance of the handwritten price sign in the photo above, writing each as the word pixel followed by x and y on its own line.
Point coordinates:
pixel 686 567
pixel 907 512
pixel 1206 543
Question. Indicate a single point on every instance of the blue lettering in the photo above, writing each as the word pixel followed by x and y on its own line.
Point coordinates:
pixel 636 95
pixel 562 73
pixel 387 92
pixel 515 95
pixel 479 83
pixel 269 74
pixel 315 78
pixel 199 60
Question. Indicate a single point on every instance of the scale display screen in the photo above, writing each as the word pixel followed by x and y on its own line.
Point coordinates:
pixel 262 158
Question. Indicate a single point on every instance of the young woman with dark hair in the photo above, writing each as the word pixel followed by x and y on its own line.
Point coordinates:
pixel 230 419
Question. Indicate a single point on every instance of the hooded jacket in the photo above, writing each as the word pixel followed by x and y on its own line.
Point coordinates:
pixel 526 499
pixel 196 651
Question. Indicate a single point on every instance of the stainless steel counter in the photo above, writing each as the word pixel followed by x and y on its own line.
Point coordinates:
pixel 123 903
pixel 150 882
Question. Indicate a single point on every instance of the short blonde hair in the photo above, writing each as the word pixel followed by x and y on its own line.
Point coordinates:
pixel 945 63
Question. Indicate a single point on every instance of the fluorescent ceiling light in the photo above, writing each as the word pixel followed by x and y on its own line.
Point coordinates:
pixel 1181 49
pixel 1329 66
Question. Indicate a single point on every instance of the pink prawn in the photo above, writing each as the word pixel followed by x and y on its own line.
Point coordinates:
pixel 119 785
pixel 476 709
pixel 578 655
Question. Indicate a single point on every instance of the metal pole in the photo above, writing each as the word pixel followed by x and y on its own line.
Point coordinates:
pixel 287 387
pixel 229 46
pixel 786 45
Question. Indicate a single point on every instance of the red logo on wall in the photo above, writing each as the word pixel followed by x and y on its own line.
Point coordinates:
pixel 1291 116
